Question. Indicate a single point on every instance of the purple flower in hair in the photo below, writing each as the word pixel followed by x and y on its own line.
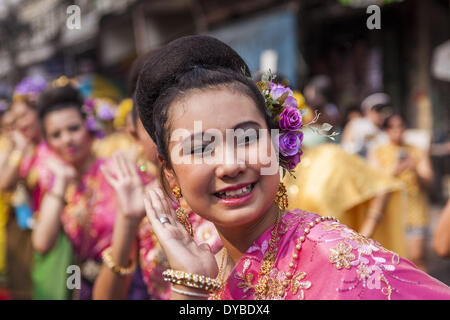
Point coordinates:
pixel 92 124
pixel 293 161
pixel 290 143
pixel 31 85
pixel 89 105
pixel 100 134
pixel 277 90
pixel 105 111
pixel 290 119
pixel 290 102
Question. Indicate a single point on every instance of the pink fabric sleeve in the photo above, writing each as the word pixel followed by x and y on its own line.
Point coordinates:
pixel 153 263
pixel 354 267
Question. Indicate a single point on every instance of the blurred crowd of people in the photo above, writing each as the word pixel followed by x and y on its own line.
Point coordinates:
pixel 75 165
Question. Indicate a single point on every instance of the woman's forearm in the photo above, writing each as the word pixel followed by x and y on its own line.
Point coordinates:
pixel 441 237
pixel 48 222
pixel 424 172
pixel 374 215
pixel 124 251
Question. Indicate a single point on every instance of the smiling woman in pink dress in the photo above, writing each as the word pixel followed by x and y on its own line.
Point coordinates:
pixel 269 252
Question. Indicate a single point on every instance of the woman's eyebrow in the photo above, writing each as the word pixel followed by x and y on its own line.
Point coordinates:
pixel 240 125
pixel 247 124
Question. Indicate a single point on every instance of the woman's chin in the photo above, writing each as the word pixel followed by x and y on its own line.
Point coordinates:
pixel 74 160
pixel 237 216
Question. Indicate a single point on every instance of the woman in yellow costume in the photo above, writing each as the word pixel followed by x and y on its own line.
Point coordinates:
pixel 332 182
pixel 7 120
pixel 413 167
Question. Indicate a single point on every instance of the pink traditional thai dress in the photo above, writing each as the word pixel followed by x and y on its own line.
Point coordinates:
pixel 33 169
pixel 316 259
pixel 88 218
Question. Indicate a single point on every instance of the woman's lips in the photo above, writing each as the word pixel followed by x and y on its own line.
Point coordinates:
pixel 240 186
pixel 237 200
pixel 71 150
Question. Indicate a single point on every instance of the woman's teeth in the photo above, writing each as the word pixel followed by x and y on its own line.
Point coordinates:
pixel 236 193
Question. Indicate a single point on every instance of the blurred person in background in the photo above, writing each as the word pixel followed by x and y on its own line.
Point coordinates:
pixel 319 97
pixel 24 147
pixel 441 236
pixel 362 134
pixel 6 121
pixel 413 167
pixel 78 200
pixel 351 113
pixel 330 181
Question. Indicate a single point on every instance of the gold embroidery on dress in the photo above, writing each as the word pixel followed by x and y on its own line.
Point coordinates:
pixel 342 255
pixel 297 284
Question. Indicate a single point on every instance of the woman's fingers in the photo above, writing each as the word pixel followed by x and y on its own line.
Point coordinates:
pixel 131 167
pixel 156 203
pixel 118 167
pixel 151 214
pixel 204 246
pixel 123 164
pixel 166 208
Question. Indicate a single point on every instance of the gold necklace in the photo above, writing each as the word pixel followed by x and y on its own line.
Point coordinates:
pixel 221 273
pixel 266 266
pixel 267 263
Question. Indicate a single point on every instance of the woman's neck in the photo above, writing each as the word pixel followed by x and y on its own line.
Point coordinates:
pixel 85 165
pixel 237 240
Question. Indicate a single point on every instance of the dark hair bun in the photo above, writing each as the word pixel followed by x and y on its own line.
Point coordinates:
pixel 164 66
pixel 55 98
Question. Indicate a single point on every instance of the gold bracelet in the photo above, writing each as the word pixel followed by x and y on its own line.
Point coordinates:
pixel 123 271
pixel 192 280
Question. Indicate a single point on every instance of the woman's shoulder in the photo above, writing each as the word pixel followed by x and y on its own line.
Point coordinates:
pixel 357 267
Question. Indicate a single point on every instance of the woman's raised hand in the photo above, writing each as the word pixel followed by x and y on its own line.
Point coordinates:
pixel 180 248
pixel 20 142
pixel 123 177
pixel 63 173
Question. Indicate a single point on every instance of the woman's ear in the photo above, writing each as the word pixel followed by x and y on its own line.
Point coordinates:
pixel 169 174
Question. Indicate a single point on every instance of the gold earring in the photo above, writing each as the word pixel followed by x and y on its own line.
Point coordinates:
pixel 181 214
pixel 281 197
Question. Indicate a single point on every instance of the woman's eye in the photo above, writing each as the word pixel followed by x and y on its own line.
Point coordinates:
pixel 247 139
pixel 55 135
pixel 203 149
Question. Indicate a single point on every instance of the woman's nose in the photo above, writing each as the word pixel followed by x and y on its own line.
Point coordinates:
pixel 229 170
pixel 231 164
pixel 66 138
